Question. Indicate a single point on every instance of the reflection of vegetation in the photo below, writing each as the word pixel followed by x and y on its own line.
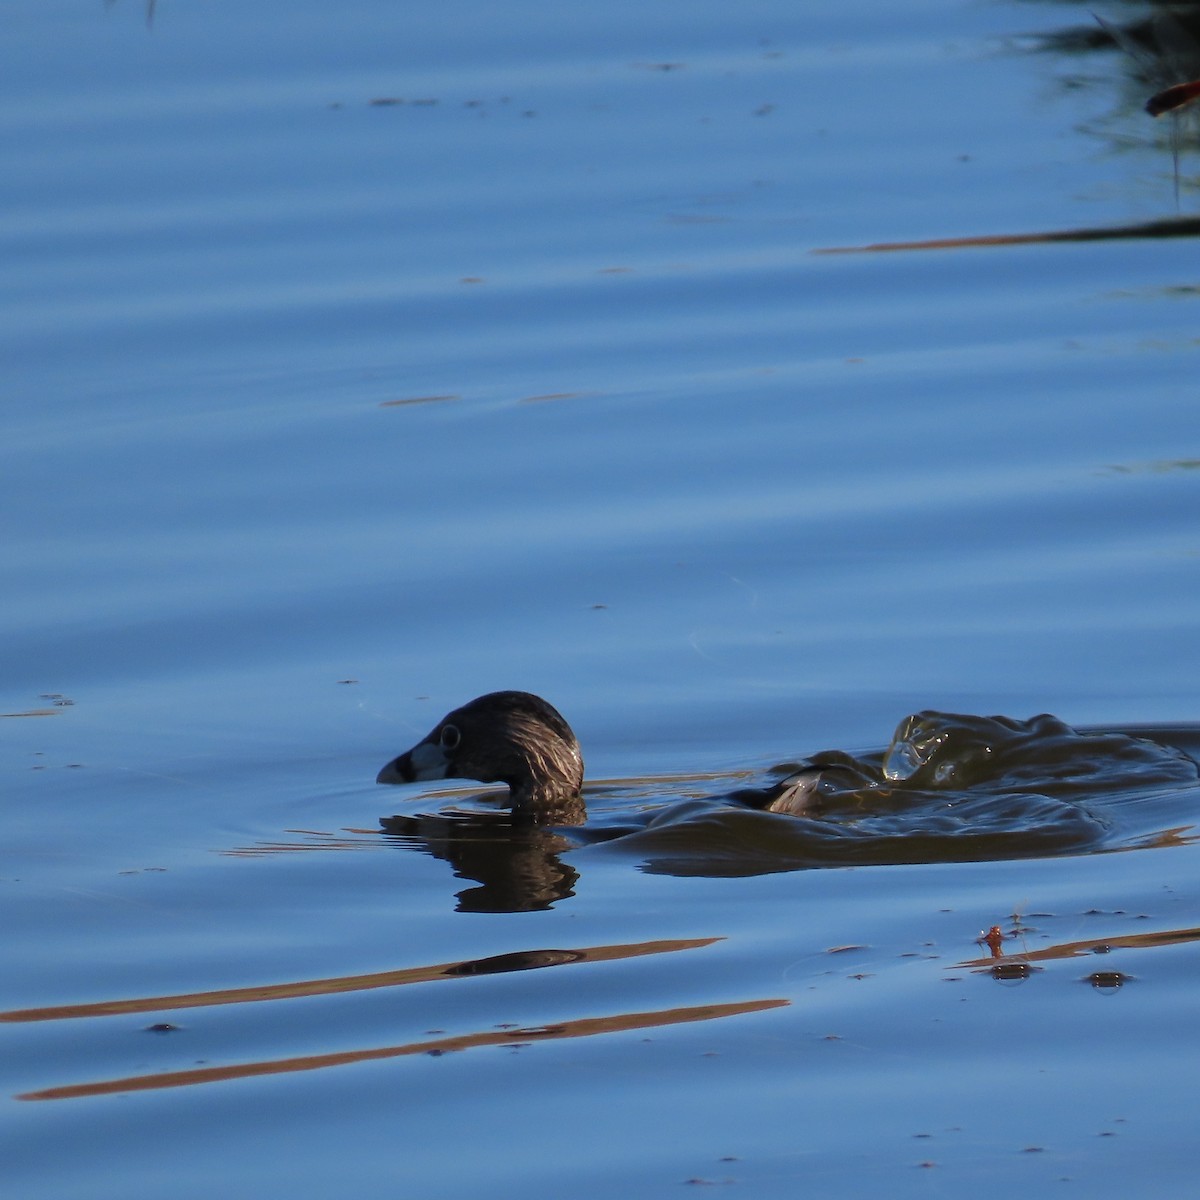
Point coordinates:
pixel 1089 947
pixel 1155 49
pixel 1163 467
pixel 1158 50
pixel 521 961
pixel 471 968
pixel 1173 227
pixel 149 10
pixel 517 1038
pixel 58 700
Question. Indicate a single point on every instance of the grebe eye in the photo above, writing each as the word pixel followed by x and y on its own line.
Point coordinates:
pixel 449 738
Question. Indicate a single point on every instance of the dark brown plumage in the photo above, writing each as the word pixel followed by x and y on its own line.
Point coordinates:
pixel 504 737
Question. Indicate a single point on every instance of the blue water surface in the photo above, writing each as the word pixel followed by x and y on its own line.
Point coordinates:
pixel 359 360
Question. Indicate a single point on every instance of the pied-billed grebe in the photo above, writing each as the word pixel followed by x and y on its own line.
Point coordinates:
pixel 503 737
pixel 518 739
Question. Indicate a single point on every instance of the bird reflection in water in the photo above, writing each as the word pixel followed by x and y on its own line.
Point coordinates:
pixel 515 862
